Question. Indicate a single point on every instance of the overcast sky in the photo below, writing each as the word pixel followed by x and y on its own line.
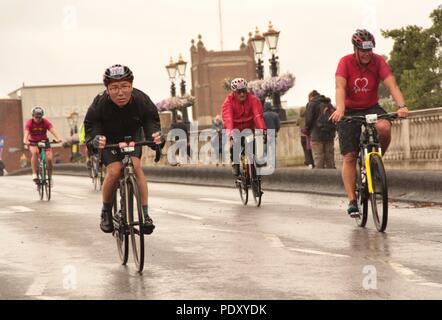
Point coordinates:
pixel 63 42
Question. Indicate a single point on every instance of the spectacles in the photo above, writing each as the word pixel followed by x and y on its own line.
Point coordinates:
pixel 366 51
pixel 115 89
pixel 241 91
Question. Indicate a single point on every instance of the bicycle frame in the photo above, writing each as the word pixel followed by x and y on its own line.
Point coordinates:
pixel 369 141
pixel 368 169
pixel 43 163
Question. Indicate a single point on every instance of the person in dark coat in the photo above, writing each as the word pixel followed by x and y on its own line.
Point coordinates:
pixel 322 134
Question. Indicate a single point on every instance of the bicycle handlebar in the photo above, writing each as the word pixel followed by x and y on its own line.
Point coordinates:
pixel 34 143
pixel 141 143
pixel 363 119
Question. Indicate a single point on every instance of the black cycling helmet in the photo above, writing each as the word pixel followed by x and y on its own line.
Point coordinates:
pixel 117 72
pixel 38 111
pixel 363 39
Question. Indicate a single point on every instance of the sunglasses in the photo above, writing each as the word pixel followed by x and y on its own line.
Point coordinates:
pixel 241 91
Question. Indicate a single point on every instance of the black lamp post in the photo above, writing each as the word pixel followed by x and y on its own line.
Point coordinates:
pixel 171 71
pixel 272 37
pixel 181 67
pixel 258 42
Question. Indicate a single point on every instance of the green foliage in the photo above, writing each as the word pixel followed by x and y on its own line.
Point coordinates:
pixel 416 61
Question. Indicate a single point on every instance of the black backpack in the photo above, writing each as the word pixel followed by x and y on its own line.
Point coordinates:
pixel 326 109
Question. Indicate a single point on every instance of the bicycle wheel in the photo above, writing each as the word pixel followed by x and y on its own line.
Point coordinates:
pixel 379 197
pixel 121 237
pixel 133 203
pixel 48 185
pixel 93 174
pixel 241 183
pixel 362 196
pixel 41 180
pixel 256 187
pixel 101 175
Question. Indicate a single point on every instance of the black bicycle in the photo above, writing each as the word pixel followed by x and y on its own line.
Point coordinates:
pixel 371 183
pixel 129 219
pixel 44 176
pixel 96 171
pixel 249 179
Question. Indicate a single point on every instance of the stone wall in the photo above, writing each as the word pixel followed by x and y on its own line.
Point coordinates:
pixel 416 143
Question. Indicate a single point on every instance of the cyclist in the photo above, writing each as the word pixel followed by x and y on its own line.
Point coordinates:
pixel 89 152
pixel 241 110
pixel 120 111
pixel 357 81
pixel 36 129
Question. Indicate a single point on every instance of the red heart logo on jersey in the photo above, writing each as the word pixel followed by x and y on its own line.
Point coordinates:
pixel 361 83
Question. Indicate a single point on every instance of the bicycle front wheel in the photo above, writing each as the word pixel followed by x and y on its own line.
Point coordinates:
pixel 135 216
pixel 41 180
pixel 48 185
pixel 243 189
pixel 362 196
pixel 256 187
pixel 379 197
pixel 93 170
pixel 121 237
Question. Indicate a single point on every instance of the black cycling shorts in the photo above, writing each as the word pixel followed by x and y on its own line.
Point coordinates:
pixel 350 132
pixel 113 155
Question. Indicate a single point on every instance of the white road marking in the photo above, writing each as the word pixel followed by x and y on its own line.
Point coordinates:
pixel 431 284
pixel 37 288
pixel 20 209
pixel 319 253
pixel 219 200
pixel 68 195
pixel 6 211
pixel 411 276
pixel 50 298
pixel 185 215
pixel 227 230
pixel 275 242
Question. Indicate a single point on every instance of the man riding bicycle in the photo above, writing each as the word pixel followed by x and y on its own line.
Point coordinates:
pixel 36 129
pixel 241 110
pixel 120 111
pixel 357 82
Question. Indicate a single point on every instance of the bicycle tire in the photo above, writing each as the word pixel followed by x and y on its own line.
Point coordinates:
pixel 94 172
pixel 121 237
pixel 41 179
pixel 48 185
pixel 101 176
pixel 243 189
pixel 362 197
pixel 379 197
pixel 135 226
pixel 255 182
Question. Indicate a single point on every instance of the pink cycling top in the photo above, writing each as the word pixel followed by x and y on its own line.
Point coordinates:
pixel 362 82
pixel 38 131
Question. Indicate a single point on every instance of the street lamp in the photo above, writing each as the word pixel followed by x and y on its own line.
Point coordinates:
pixel 181 67
pixel 258 42
pixel 171 70
pixel 272 37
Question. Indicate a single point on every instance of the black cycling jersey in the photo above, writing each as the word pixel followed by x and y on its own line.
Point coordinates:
pixel 105 118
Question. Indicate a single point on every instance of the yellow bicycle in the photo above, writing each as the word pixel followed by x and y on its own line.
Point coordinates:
pixel 371 183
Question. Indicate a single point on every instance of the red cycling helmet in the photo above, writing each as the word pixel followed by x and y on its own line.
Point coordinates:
pixel 363 39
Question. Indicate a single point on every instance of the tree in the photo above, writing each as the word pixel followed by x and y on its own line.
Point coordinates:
pixel 416 61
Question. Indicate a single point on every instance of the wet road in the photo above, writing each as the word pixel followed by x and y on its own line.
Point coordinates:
pixel 208 246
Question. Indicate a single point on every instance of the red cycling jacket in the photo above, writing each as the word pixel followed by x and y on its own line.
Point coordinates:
pixel 246 116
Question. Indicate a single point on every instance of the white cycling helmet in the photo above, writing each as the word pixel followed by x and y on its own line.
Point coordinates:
pixel 37 110
pixel 238 84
